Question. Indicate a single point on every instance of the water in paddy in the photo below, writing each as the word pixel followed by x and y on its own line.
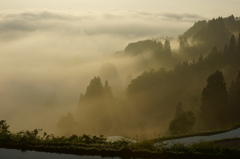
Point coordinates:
pixel 18 154
pixel 196 139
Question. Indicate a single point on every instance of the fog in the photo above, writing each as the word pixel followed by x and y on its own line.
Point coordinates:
pixel 49 57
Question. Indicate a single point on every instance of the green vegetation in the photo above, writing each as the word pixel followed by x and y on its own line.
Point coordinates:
pixel 93 145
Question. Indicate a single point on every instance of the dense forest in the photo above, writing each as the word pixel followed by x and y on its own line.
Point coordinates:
pixel 193 89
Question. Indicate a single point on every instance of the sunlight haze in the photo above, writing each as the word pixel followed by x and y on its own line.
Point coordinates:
pixel 50 51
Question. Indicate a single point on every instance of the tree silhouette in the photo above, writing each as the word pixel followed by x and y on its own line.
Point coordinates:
pixel 4 132
pixel 214 101
pixel 232 45
pixel 95 88
pixel 167 47
pixel 182 123
pixel 4 127
pixel 238 45
pixel 67 124
pixel 108 91
pixel 144 46
pixel 94 106
pixel 234 102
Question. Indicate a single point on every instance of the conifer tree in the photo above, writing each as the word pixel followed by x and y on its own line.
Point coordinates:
pixel 238 45
pixel 234 102
pixel 232 45
pixel 95 88
pixel 167 48
pixel 108 91
pixel 214 102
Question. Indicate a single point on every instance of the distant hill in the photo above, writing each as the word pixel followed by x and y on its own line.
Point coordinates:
pixel 195 29
pixel 199 39
pixel 150 53
pixel 144 46
pixel 204 35
pixel 215 32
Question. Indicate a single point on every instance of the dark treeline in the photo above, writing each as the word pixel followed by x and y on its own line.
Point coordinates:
pixel 176 100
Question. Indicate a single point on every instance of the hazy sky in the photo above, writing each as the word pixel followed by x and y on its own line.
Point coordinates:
pixel 209 8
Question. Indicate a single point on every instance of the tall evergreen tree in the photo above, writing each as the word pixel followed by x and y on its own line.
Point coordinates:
pixel 238 45
pixel 232 45
pixel 214 102
pixel 167 47
pixel 234 102
pixel 95 88
pixel 108 91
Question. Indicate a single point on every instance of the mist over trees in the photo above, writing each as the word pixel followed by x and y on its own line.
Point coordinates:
pixel 93 111
pixel 206 34
pixel 200 76
pixel 152 52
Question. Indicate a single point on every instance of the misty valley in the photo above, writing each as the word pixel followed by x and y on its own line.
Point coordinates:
pixel 153 90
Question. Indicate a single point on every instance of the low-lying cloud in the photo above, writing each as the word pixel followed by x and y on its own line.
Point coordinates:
pixel 127 23
pixel 49 57
pixel 183 17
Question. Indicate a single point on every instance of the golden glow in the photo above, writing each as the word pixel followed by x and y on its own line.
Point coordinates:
pixel 50 50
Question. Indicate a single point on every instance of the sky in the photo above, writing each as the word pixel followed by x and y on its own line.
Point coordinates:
pixel 209 8
pixel 50 50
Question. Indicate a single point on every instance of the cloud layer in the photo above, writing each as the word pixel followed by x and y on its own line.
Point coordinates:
pixel 125 23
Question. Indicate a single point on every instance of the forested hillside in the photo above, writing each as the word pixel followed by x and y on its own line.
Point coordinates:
pixel 206 34
pixel 198 83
